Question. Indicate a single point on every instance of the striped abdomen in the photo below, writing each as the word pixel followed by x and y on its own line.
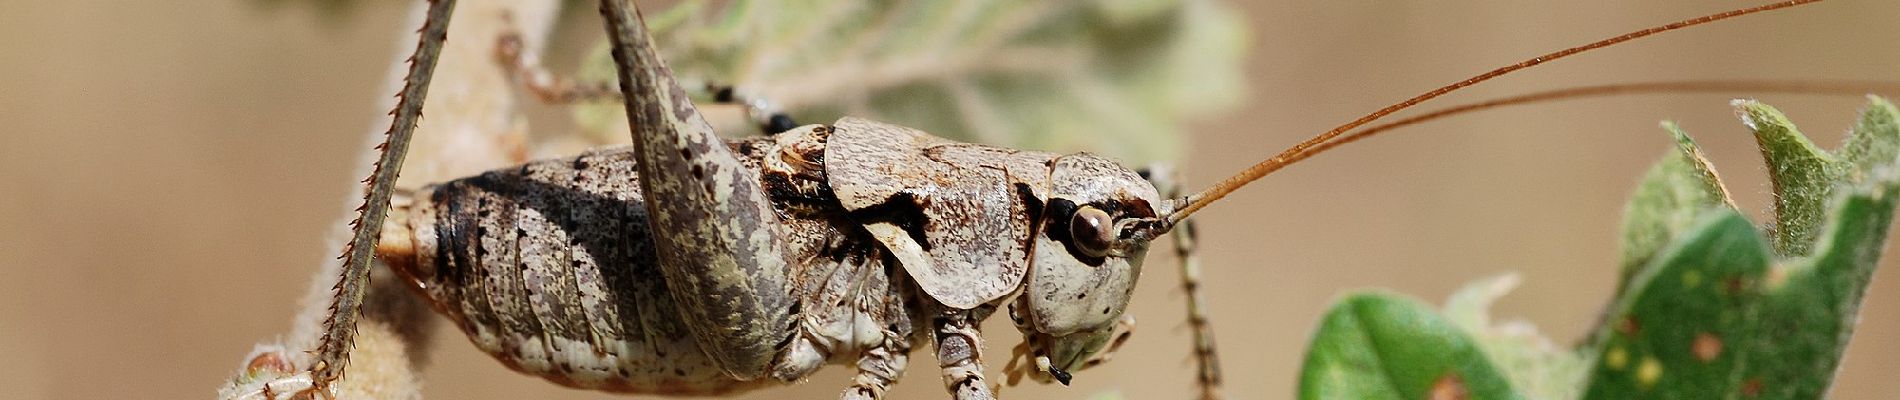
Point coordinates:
pixel 549 267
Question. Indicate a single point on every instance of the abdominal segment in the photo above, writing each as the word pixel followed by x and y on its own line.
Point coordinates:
pixel 549 267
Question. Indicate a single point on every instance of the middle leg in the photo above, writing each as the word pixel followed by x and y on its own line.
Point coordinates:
pixel 959 353
pixel 879 368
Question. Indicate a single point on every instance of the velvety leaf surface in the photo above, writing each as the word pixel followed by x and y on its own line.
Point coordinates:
pixel 1383 346
pixel 1669 198
pixel 1537 367
pixel 1676 332
pixel 1804 176
pixel 1875 142
pixel 1718 314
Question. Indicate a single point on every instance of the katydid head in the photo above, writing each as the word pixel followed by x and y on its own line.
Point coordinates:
pixel 1087 253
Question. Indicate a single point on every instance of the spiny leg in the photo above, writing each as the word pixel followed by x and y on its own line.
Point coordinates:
pixel 1207 375
pixel 722 248
pixel 333 350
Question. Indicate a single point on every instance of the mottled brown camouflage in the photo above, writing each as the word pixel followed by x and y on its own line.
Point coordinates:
pixel 948 211
pixel 690 264
pixel 550 268
pixel 554 267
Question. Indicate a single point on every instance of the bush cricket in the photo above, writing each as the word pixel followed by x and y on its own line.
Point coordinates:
pixel 690 264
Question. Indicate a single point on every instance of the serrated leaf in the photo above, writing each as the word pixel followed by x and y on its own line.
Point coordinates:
pixel 1384 346
pixel 1111 76
pixel 1814 300
pixel 1672 194
pixel 1876 139
pixel 1803 174
pixel 1714 315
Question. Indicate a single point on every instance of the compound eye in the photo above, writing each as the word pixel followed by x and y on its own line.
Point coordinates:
pixel 1092 231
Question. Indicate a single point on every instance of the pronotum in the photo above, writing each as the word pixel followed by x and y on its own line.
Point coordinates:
pixel 689 264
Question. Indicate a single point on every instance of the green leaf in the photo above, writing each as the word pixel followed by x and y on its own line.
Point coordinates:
pixel 1876 139
pixel 1813 301
pixel 1717 314
pixel 1712 316
pixel 1671 195
pixel 1117 77
pixel 1699 295
pixel 1803 174
pixel 1384 346
pixel 1710 306
pixel 1535 366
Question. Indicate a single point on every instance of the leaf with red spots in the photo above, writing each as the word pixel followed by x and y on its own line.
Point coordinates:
pixel 1671 305
pixel 1384 346
pixel 1726 310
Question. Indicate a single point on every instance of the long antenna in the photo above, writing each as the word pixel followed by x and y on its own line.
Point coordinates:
pixel 1200 200
pixel 1768 86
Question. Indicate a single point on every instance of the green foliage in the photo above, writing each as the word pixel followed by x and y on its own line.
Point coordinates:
pixel 1384 346
pixel 1717 313
pixel 1112 76
pixel 1536 367
pixel 1709 306
pixel 1670 196
pixel 1670 335
pixel 1804 176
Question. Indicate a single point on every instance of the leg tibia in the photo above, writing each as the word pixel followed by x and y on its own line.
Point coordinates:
pixel 959 348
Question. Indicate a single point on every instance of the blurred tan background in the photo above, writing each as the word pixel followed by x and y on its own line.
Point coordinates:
pixel 168 170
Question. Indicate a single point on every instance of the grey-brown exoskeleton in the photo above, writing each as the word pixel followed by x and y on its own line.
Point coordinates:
pixel 879 236
pixel 691 264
